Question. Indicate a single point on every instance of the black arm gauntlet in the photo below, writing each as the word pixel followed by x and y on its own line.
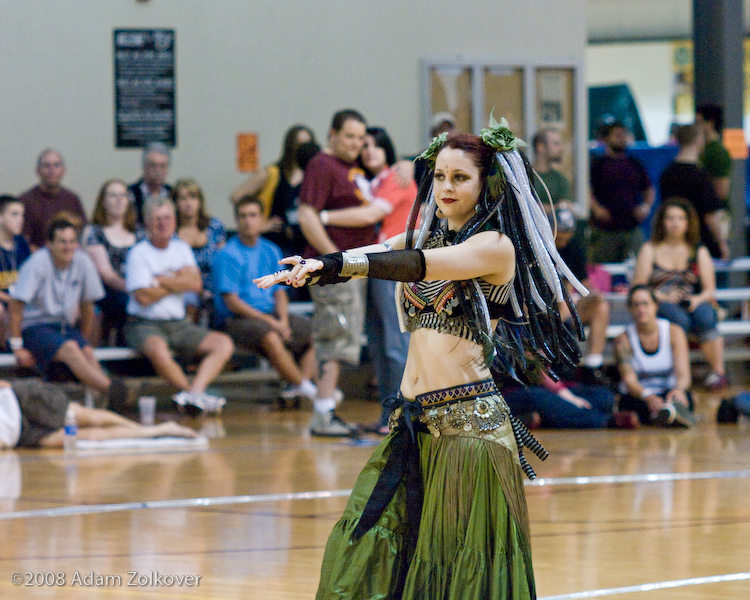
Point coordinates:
pixel 398 265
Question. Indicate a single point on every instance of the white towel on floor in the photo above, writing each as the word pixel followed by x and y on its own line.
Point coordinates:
pixel 124 443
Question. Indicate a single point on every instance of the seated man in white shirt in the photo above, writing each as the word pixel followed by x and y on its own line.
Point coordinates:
pixel 55 290
pixel 159 271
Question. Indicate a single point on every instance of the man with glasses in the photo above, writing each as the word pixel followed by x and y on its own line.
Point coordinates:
pixel 153 183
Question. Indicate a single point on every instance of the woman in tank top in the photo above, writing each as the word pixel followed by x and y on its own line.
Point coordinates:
pixel 681 273
pixel 278 186
pixel 652 357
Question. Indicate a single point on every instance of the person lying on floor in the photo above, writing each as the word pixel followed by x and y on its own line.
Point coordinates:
pixel 32 414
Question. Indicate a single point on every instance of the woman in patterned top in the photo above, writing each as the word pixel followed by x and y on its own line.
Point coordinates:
pixel 444 491
pixel 205 235
pixel 113 231
pixel 681 273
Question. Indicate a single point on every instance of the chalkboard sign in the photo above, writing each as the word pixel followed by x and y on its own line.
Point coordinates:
pixel 145 109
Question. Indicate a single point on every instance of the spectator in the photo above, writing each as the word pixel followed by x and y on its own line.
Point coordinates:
pixel 46 200
pixel 158 272
pixel 548 153
pixel 592 309
pixel 32 414
pixel 682 275
pixel 153 182
pixel 685 179
pixel 390 205
pixel 442 122
pixel 13 252
pixel 204 234
pixel 568 405
pixel 112 233
pixel 652 357
pixel 278 187
pixel 56 287
pixel 259 319
pixel 715 158
pixel 332 180
pixel 621 199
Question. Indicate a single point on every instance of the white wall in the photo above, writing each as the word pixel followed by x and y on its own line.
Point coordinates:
pixel 647 69
pixel 243 66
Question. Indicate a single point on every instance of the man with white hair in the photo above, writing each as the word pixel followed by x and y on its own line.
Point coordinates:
pixel 158 273
pixel 153 183
pixel 48 198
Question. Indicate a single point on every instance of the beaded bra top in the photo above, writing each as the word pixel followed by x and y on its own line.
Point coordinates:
pixel 436 305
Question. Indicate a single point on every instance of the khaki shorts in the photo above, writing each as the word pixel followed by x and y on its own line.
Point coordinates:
pixel 182 335
pixel 248 332
pixel 338 322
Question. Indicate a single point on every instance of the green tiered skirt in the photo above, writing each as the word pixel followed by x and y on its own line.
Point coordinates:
pixel 473 541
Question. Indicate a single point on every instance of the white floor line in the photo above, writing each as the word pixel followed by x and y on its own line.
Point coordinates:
pixel 638 478
pixel 650 587
pixel 63 511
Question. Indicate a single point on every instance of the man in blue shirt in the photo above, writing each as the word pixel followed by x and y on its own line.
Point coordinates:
pixel 259 319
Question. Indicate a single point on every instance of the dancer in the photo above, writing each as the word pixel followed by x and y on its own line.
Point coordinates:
pixel 443 492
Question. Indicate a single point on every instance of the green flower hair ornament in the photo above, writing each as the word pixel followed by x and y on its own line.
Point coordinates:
pixel 498 136
pixel 430 155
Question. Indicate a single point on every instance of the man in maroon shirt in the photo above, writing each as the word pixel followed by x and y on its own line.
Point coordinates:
pixel 44 201
pixel 334 179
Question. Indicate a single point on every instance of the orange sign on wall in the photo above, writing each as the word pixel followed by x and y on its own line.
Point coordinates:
pixel 247 152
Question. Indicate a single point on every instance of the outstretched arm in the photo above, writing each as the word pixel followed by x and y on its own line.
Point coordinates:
pixel 489 255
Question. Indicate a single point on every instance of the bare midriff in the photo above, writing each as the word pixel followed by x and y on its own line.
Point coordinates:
pixel 439 360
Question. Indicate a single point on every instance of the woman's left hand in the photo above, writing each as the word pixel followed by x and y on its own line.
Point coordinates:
pixel 297 276
pixel 694 303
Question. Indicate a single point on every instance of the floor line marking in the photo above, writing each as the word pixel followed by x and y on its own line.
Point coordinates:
pixel 650 587
pixel 64 511
pixel 638 478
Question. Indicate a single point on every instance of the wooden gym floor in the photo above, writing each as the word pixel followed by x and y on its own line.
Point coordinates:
pixel 650 514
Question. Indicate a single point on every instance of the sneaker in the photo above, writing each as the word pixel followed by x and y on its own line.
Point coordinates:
pixel 196 403
pixel 327 424
pixel 683 417
pixel 666 415
pixel 306 389
pixel 188 402
pixel 210 403
pixel 727 412
pixel 715 382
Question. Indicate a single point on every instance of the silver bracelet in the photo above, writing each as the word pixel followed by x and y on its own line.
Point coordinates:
pixel 15 343
pixel 323 214
pixel 354 265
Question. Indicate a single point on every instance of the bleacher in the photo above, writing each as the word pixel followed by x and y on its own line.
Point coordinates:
pixel 248 368
pixel 735 328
